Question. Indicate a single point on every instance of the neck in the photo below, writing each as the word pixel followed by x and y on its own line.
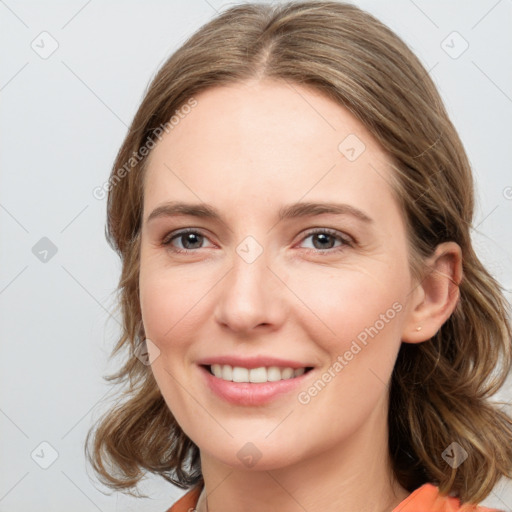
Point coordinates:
pixel 354 476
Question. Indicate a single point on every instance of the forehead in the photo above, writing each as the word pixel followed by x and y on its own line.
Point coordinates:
pixel 257 142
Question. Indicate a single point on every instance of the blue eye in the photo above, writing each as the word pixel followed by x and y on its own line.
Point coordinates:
pixel 325 240
pixel 189 240
pixel 322 241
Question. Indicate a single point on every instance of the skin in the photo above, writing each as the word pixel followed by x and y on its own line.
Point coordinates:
pixel 248 149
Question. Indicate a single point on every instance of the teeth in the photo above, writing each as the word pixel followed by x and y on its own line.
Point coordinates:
pixel 258 375
pixel 273 374
pixel 262 374
pixel 240 374
pixel 227 372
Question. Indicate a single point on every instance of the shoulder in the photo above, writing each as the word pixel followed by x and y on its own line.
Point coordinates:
pixel 188 502
pixel 428 499
pixel 424 499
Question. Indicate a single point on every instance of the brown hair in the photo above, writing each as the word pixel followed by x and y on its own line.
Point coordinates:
pixel 440 388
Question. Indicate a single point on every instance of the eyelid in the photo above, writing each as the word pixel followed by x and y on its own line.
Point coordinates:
pixel 345 239
pixel 169 237
pixel 329 231
pixel 174 234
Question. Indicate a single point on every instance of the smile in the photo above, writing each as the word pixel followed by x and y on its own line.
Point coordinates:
pixel 255 375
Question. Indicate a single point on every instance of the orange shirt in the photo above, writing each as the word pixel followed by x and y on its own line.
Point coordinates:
pixel 424 499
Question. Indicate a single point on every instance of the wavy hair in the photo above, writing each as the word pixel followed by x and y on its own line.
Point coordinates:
pixel 440 389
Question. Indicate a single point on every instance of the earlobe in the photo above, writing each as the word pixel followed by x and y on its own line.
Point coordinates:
pixel 436 296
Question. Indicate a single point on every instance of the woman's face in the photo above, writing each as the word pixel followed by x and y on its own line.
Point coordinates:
pixel 296 257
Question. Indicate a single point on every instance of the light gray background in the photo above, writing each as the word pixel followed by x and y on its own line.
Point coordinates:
pixel 63 120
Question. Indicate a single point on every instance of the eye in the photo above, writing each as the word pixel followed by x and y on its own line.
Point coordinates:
pixel 185 240
pixel 324 240
pixel 321 240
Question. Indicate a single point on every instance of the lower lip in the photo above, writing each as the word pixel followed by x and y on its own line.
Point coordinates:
pixel 245 393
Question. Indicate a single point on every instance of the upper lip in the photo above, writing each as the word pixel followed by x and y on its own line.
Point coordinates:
pixel 252 362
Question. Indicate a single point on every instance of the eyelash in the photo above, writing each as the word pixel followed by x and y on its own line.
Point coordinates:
pixel 345 240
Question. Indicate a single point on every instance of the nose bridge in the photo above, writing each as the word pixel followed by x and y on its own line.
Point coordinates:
pixel 248 294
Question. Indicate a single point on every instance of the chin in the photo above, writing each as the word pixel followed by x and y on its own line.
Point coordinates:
pixel 253 455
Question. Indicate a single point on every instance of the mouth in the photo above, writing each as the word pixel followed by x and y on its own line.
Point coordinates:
pixel 261 374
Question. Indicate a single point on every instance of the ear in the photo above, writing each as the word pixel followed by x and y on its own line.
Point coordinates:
pixel 435 297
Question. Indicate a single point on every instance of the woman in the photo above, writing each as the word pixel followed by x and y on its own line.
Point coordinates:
pixel 292 207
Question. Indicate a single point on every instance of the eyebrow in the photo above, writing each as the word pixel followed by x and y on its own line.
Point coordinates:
pixel 304 209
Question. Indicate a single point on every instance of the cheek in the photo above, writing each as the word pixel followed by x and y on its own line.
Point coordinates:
pixel 355 318
pixel 335 306
pixel 347 303
pixel 169 306
pixel 357 325
pixel 171 302
pixel 156 306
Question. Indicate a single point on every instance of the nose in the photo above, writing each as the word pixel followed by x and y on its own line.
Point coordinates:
pixel 250 296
